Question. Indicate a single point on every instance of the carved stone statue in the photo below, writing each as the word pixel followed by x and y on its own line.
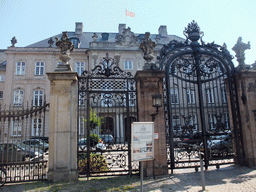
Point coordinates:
pixel 66 46
pixel 239 49
pixel 13 41
pixel 147 46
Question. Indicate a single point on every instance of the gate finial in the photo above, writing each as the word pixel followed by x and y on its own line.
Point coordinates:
pixel 66 46
pixel 193 33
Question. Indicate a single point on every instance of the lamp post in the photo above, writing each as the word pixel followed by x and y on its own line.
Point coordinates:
pixel 157 103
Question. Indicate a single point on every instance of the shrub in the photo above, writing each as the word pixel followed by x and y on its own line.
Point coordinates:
pixel 94 139
pixel 97 163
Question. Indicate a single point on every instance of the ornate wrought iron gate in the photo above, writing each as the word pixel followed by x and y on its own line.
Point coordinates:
pixel 200 99
pixel 107 107
pixel 23 142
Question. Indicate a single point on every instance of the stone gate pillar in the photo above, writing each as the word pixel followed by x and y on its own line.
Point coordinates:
pixel 63 127
pixel 246 87
pixel 150 82
pixel 63 117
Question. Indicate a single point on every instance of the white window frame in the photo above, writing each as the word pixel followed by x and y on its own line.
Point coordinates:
pixel 80 67
pixel 18 97
pixel 38 97
pixel 20 68
pixel 209 95
pixel 37 127
pixel 174 96
pixel 2 77
pixel 39 68
pixel 176 123
pixel 16 128
pixel 128 65
pixel 191 96
pixel 211 120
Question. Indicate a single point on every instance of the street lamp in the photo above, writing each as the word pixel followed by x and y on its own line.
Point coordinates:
pixel 156 102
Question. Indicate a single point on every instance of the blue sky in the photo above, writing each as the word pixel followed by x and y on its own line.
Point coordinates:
pixel 220 20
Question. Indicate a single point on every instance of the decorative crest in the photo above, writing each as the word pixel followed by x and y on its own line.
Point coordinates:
pixel 127 38
pixel 107 68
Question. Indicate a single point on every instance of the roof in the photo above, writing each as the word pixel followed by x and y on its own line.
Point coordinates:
pixel 86 38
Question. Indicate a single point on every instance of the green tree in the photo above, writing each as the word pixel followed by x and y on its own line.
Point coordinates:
pixel 95 121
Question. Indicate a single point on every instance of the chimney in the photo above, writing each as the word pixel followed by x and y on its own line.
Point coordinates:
pixel 162 31
pixel 79 28
pixel 121 27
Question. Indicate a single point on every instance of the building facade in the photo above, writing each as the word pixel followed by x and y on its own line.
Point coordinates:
pixel 23 73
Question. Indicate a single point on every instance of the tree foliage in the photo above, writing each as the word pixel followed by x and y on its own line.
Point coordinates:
pixel 95 121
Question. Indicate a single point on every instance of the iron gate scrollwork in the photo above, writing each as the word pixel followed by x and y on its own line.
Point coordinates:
pixel 107 107
pixel 200 98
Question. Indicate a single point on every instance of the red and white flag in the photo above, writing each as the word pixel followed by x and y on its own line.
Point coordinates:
pixel 128 13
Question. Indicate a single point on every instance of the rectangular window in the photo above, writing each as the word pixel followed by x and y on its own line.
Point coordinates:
pixel 176 122
pixel 20 68
pixel 174 96
pixel 39 68
pixel 128 65
pixel 18 97
pixel 212 121
pixel 190 96
pixel 224 95
pixel 16 128
pixel 1 94
pixel 2 77
pixel 209 96
pixel 38 99
pixel 37 127
pixel 80 67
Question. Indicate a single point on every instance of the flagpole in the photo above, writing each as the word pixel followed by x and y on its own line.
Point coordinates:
pixel 125 17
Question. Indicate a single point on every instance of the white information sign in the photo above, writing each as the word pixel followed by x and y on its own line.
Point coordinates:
pixel 142 141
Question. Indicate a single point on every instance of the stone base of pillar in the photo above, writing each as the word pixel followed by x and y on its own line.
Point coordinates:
pixel 149 170
pixel 149 66
pixel 62 176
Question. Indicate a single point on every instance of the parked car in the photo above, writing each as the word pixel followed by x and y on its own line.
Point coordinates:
pixel 82 143
pixel 14 153
pixel 36 143
pixel 107 139
pixel 44 139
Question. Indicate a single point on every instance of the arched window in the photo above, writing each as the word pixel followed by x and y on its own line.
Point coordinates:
pixel 18 97
pixel 38 98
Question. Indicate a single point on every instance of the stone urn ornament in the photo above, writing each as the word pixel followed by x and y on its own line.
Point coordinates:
pixel 66 46
pixel 193 32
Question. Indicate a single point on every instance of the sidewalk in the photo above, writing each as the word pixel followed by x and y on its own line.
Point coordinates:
pixel 227 178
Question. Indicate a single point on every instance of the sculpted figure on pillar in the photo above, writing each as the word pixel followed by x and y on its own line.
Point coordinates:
pixel 239 49
pixel 147 46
